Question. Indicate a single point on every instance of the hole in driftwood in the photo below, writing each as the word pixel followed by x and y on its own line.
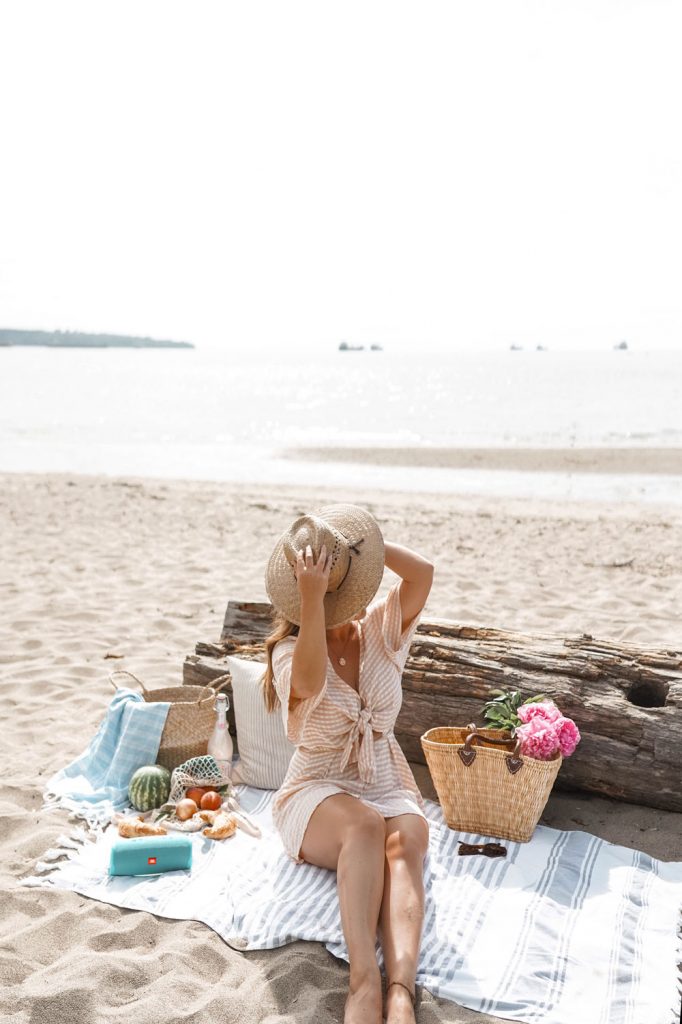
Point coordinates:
pixel 649 694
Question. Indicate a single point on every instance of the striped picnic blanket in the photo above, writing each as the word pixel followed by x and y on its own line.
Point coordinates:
pixel 567 928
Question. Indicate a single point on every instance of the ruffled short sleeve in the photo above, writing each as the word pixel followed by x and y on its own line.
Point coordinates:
pixel 296 717
pixel 386 616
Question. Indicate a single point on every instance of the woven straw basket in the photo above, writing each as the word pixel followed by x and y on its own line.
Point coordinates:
pixel 484 789
pixel 190 719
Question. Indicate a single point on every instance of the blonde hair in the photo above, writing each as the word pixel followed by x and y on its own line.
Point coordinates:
pixel 281 628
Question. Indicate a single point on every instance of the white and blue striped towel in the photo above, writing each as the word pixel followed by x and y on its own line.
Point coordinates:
pixel 96 784
pixel 564 929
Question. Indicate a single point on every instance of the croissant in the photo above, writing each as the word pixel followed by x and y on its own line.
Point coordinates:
pixel 130 828
pixel 223 825
pixel 241 820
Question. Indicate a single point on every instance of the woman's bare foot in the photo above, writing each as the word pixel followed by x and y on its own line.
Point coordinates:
pixel 399 1008
pixel 363 1003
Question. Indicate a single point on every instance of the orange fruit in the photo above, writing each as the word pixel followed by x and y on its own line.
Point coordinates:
pixel 197 792
pixel 211 801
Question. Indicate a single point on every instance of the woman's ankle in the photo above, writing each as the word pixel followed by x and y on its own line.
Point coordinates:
pixel 402 987
pixel 364 977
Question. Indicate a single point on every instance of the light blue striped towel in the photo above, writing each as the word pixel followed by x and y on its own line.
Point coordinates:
pixel 96 783
pixel 566 929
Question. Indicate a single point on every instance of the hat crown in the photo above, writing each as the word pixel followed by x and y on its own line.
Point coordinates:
pixel 355 548
pixel 315 531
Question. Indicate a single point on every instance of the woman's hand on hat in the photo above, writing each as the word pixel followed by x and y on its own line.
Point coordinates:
pixel 312 576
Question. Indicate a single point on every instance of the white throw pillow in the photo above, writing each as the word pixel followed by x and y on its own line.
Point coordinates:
pixel 264 750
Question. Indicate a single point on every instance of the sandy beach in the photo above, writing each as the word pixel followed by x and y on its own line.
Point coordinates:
pixel 98 573
pixel 546 460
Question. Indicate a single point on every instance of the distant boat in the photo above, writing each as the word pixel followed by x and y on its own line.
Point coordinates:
pixel 376 348
pixel 540 348
pixel 516 348
pixel 345 347
pixel 622 346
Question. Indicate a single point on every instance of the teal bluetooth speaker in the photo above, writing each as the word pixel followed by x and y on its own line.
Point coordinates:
pixel 150 855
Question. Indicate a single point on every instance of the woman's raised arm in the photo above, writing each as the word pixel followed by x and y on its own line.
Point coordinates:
pixel 417 577
pixel 309 662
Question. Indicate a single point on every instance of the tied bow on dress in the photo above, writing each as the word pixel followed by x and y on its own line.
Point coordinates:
pixel 359 744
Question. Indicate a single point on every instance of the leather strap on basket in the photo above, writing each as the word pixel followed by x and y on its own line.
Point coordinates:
pixel 467 753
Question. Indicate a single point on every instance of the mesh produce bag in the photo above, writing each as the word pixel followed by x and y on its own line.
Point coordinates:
pixel 198 771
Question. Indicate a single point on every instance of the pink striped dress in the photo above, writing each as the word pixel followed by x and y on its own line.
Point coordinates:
pixel 344 738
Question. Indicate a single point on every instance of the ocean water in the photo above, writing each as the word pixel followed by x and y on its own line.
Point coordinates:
pixel 218 416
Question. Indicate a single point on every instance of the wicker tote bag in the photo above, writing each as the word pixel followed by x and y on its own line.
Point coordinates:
pixel 483 788
pixel 190 719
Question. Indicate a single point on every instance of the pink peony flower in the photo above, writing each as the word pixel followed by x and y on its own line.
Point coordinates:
pixel 545 709
pixel 539 738
pixel 568 734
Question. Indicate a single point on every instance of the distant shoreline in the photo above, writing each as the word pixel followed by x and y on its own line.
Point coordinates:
pixel 548 460
pixel 10 338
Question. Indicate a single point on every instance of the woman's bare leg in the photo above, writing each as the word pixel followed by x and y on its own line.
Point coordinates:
pixel 348 837
pixel 402 910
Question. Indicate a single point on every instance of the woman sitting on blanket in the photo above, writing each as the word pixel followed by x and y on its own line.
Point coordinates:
pixel 349 801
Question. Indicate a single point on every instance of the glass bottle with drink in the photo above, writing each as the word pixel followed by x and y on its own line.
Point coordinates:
pixel 220 744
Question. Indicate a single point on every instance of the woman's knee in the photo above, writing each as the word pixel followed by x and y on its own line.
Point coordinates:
pixel 407 841
pixel 364 826
pixel 340 821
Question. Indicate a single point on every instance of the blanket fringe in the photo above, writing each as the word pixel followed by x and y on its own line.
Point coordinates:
pixel 93 818
pixel 69 846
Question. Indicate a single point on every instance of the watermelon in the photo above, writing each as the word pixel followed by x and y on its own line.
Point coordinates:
pixel 149 787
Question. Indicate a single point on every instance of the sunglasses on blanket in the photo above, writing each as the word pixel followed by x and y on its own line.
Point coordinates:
pixel 487 849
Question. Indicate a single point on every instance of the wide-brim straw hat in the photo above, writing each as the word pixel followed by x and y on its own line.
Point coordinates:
pixel 356 546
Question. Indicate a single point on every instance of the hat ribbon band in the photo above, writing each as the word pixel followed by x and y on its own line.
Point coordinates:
pixel 355 547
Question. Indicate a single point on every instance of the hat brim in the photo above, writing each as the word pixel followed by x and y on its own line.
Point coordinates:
pixel 364 574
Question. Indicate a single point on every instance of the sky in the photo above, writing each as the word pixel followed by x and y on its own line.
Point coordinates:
pixel 262 175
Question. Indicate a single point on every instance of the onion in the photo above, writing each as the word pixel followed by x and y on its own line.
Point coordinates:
pixel 185 809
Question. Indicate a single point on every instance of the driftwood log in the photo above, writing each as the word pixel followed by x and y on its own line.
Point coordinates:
pixel 625 698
